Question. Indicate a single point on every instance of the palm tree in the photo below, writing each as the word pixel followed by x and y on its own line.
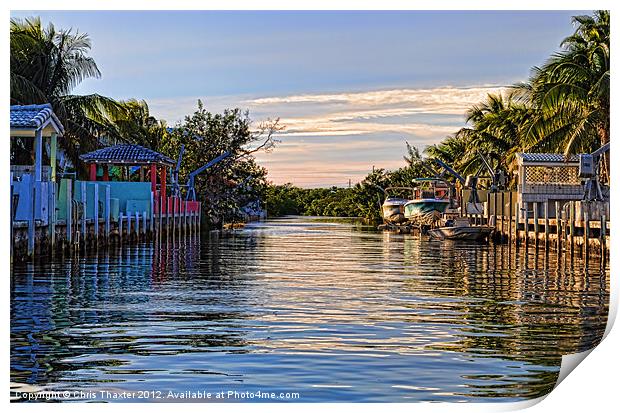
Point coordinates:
pixel 570 92
pixel 46 64
pixel 139 126
pixel 495 131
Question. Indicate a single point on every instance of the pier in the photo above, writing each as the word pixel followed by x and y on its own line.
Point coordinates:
pixel 52 212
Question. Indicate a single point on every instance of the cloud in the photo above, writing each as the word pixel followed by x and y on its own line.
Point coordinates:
pixel 333 137
pixel 445 100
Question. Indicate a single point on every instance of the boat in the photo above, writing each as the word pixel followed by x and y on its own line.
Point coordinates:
pixel 393 208
pixel 461 229
pixel 430 197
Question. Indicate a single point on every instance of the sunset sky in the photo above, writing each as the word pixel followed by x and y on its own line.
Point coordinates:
pixel 350 87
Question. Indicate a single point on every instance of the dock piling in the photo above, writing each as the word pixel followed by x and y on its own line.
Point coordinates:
pixel 120 228
pixel 546 207
pixel 96 213
pixel 52 213
pixel 517 224
pixel 603 234
pixel 106 213
pixel 572 227
pixel 31 218
pixel 558 227
pixel 69 217
pixel 536 227
pixel 144 225
pixel 83 190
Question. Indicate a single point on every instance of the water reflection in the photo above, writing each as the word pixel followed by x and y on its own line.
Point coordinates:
pixel 327 309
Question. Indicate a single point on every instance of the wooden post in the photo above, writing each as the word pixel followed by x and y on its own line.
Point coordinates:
pixel 193 224
pixel 558 227
pixel 603 235
pixel 488 211
pixel 572 226
pixel 92 172
pixel 38 155
pixel 184 203
pixel 53 150
pixel 69 217
pixel 137 226
pixel 168 215
pixel 96 213
pixel 189 223
pixel 495 211
pixel 192 230
pixel 106 213
pixel 161 211
pixel 510 204
pixel 128 227
pixel 536 228
pixel 517 213
pixel 564 229
pixel 153 178
pixel 547 224
pixel 152 216
pixel 174 213
pixel 162 180
pixel 503 226
pixel 31 218
pixel 51 209
pixel 144 225
pixel 586 230
pixel 83 189
pixel 526 224
pixel 120 228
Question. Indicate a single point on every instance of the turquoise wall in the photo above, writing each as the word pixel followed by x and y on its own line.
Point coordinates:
pixel 132 197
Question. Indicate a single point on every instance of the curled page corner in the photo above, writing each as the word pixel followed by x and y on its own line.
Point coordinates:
pixel 569 362
pixel 520 405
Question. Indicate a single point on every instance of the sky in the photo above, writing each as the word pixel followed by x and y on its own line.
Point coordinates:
pixel 350 87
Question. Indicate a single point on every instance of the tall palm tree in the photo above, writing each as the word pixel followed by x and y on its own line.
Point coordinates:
pixel 570 92
pixel 495 131
pixel 46 64
pixel 139 126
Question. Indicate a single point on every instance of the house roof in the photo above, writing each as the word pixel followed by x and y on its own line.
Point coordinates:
pixel 126 154
pixel 546 158
pixel 34 117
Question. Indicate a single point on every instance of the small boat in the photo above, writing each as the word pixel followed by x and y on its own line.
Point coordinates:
pixel 431 196
pixel 393 208
pixel 461 229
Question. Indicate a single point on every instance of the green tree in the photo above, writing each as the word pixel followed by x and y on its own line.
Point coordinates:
pixel 570 92
pixel 237 178
pixel 137 125
pixel 46 64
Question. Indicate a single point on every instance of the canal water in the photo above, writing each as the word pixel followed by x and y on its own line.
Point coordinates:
pixel 309 310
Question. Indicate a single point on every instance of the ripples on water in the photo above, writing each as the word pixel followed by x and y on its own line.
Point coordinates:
pixel 334 311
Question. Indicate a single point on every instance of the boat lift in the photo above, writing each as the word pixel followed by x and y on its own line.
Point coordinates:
pixel 176 188
pixel 191 192
pixel 589 168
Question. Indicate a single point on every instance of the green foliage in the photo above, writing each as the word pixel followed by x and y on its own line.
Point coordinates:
pixel 363 200
pixel 564 107
pixel 233 182
pixel 46 64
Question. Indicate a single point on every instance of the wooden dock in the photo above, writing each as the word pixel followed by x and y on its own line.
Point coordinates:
pixel 85 221
pixel 565 227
